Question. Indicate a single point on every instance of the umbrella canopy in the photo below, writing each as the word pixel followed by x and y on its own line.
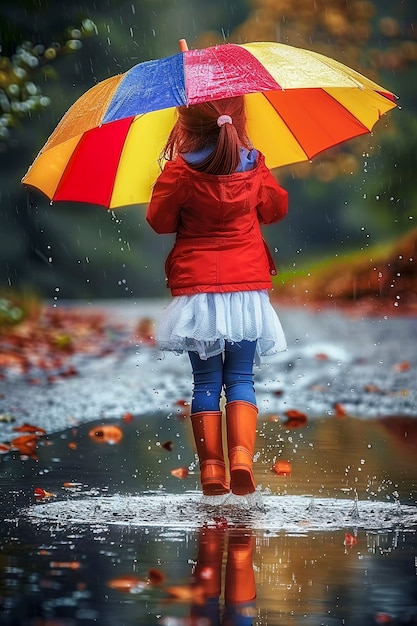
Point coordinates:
pixel 106 149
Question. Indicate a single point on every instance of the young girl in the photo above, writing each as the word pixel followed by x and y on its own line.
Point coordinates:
pixel 214 192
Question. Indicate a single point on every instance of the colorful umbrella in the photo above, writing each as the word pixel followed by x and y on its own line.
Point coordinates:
pixel 106 148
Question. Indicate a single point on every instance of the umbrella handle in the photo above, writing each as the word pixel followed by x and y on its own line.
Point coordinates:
pixel 183 45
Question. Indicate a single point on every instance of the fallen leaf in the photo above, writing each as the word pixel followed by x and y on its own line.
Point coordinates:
pixel 340 410
pixel 107 433
pixel 145 331
pixel 321 356
pixel 25 444
pixel 282 468
pixel 180 472
pixel 156 577
pixel 168 445
pixel 404 366
pixel 4 447
pixel 296 419
pixel 128 583
pixel 127 418
pixel 38 492
pixel 182 403
pixel 350 540
pixel 372 389
pixel 29 428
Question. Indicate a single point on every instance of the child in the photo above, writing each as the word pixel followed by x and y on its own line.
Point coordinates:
pixel 214 192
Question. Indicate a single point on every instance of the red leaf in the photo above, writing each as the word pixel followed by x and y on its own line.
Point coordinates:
pixel 182 403
pixel 350 540
pixel 296 419
pixel 38 492
pixel 156 577
pixel 340 410
pixel 404 366
pixel 282 468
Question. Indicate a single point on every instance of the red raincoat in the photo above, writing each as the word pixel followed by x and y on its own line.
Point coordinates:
pixel 219 245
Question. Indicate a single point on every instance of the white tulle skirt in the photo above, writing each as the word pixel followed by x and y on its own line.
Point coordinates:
pixel 203 322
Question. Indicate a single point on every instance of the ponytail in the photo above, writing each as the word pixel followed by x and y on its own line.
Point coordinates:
pixel 220 124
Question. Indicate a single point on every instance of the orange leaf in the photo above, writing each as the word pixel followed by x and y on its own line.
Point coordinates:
pixel 282 468
pixel 4 447
pixel 180 472
pixel 72 445
pixel 127 418
pixel 296 419
pixel 106 434
pixel 29 428
pixel 128 583
pixel 26 445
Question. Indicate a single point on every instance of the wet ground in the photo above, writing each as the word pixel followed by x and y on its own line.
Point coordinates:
pixel 98 530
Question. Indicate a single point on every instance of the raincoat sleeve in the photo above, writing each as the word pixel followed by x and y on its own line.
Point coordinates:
pixel 163 212
pixel 273 203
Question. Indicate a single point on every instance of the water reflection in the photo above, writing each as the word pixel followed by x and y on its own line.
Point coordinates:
pixel 236 545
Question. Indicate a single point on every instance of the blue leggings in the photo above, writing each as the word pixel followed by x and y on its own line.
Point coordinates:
pixel 232 370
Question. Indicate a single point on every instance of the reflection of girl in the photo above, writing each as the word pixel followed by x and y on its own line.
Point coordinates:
pixel 214 193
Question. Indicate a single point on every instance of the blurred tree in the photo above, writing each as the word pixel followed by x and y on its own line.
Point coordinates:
pixel 82 251
pixel 368 182
pixel 25 66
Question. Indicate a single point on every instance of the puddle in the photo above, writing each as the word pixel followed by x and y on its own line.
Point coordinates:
pixel 123 541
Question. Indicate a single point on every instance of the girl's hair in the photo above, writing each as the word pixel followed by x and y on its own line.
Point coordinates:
pixel 197 128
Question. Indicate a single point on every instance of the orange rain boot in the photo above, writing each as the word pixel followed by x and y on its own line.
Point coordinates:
pixel 241 419
pixel 207 429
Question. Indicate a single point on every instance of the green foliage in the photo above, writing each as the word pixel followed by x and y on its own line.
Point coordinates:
pixel 21 93
pixel 393 191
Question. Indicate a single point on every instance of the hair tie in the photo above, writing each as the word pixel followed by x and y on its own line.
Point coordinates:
pixel 224 119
